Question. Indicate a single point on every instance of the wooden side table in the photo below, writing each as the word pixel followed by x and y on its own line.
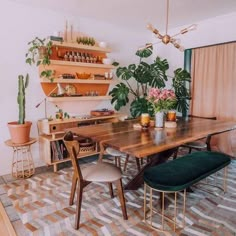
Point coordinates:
pixel 22 162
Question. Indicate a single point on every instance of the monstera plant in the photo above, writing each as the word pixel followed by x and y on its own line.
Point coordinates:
pixel 137 79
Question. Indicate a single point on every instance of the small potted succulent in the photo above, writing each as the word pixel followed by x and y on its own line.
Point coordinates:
pixel 20 130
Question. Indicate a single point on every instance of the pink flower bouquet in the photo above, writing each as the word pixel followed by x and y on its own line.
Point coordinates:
pixel 162 99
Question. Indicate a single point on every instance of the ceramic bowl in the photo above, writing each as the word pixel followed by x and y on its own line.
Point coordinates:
pixel 83 75
pixel 102 44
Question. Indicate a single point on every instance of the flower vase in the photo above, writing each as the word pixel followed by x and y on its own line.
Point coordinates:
pixel 159 119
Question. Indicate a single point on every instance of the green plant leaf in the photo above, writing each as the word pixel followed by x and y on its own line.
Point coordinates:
pixel 115 63
pixel 139 106
pixel 124 73
pixel 119 95
pixel 144 53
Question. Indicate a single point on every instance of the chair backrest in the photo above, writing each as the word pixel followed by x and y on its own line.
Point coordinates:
pixel 208 138
pixel 204 117
pixel 73 148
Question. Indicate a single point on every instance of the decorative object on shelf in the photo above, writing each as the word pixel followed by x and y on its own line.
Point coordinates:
pixel 39 53
pixel 65 32
pixel 98 77
pixel 102 112
pixel 67 76
pixel 60 90
pixel 20 131
pixel 92 93
pixel 59 115
pixel 166 39
pixel 102 44
pixel 86 40
pixel 70 90
pixel 56 38
pixel 146 76
pixel 77 56
pixel 107 61
pixel 83 75
pixel 108 75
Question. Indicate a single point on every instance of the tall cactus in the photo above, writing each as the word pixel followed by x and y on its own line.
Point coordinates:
pixel 22 85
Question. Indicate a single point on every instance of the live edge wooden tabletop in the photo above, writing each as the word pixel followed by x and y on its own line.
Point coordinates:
pixel 139 143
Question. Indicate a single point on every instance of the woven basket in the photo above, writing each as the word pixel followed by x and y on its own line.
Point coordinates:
pixel 85 149
pixel 86 145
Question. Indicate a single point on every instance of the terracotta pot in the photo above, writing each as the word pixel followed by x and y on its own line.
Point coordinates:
pixel 20 133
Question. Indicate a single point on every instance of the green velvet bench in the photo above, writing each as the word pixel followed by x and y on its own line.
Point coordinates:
pixel 178 175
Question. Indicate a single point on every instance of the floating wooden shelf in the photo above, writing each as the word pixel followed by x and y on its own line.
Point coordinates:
pixel 81 46
pixel 77 81
pixel 82 98
pixel 81 64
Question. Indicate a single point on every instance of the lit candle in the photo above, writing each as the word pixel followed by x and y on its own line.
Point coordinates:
pixel 171 116
pixel 145 120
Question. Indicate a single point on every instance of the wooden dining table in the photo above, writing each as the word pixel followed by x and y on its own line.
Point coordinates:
pixel 158 144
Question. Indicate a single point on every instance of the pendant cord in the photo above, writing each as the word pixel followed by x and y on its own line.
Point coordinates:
pixel 167 16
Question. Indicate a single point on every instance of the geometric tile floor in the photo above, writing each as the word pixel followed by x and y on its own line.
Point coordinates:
pixel 39 206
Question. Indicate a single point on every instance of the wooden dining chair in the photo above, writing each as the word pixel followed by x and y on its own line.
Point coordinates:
pixel 199 145
pixel 118 155
pixel 101 172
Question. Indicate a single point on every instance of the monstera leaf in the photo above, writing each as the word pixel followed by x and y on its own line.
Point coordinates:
pixel 125 73
pixel 143 73
pixel 139 106
pixel 158 73
pixel 119 95
pixel 181 92
pixel 145 52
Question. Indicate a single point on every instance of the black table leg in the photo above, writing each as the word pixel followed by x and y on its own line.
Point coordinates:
pixel 154 160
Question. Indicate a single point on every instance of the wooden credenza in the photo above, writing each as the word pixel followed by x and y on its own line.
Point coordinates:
pixel 51 147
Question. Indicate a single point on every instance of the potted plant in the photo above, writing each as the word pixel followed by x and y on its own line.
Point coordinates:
pixel 20 130
pixel 39 53
pixel 146 76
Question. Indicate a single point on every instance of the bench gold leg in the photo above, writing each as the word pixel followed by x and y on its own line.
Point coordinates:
pixel 151 205
pixel 144 202
pixel 164 217
pixel 175 211
pixel 225 179
pixel 163 210
pixel 184 208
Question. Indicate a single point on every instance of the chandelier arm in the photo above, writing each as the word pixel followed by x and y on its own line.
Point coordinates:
pixel 178 46
pixel 173 36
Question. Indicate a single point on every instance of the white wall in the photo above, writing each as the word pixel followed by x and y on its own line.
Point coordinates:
pixel 19 24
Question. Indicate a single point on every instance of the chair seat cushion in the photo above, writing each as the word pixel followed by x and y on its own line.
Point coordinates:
pixel 196 144
pixel 181 173
pixel 114 152
pixel 101 172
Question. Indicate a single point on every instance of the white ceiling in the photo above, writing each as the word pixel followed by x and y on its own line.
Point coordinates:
pixel 136 14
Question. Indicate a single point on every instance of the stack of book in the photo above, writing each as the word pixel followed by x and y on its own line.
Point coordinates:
pixel 58 150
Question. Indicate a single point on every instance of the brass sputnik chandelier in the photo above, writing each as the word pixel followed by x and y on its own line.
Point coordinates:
pixel 167 38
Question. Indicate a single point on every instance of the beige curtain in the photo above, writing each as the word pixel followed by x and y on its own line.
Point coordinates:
pixel 214 88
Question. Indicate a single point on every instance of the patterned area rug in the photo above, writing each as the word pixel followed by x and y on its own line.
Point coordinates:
pixel 39 206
